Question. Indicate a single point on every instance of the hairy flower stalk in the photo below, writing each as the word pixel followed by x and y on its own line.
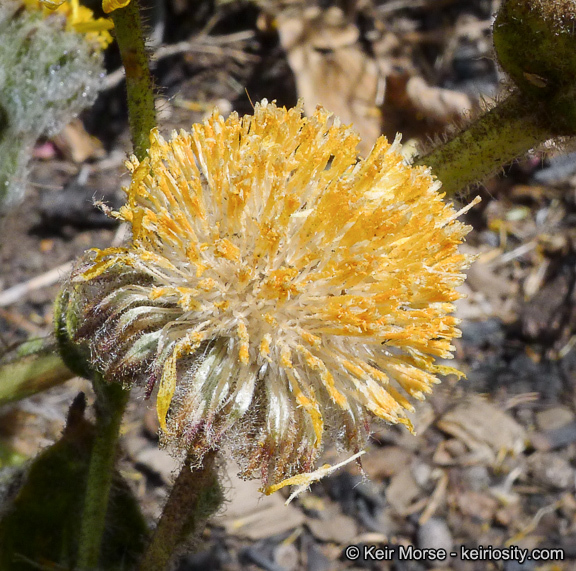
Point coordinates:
pixel 278 290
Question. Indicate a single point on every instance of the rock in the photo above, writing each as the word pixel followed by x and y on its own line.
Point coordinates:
pixel 455 447
pixel 371 493
pixel 549 469
pixel 451 452
pixel 485 429
pixel 215 558
pixel 553 439
pixel 251 515
pixel 384 462
pixel 477 478
pixel 341 489
pixel 480 507
pixel 488 332
pixel 553 418
pixel 134 444
pixel 317 561
pixel 384 523
pixel 334 527
pixel 422 473
pixel 403 490
pixel 517 566
pixel 286 556
pixel 371 517
pixel 260 554
pixel 544 317
pixel 158 461
pixel 435 534
pixel 508 514
pixel 559 171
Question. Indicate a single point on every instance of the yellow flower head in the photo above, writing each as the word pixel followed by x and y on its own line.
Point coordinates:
pixel 278 290
pixel 78 19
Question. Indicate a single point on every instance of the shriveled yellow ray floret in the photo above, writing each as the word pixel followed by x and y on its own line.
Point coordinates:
pixel 185 346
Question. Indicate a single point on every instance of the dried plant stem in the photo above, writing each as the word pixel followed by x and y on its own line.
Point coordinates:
pixel 506 132
pixel 111 400
pixel 139 83
pixel 195 496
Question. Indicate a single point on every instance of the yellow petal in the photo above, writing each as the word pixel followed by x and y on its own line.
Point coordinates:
pixel 304 481
pixel 186 346
pixel 111 5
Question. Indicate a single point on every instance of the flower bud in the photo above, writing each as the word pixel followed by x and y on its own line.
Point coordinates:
pixel 535 41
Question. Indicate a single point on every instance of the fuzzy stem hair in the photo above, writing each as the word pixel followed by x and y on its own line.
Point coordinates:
pixel 195 496
pixel 506 132
pixel 139 83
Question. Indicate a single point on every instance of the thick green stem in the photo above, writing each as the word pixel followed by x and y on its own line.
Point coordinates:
pixel 139 83
pixel 31 367
pixel 506 132
pixel 111 400
pixel 195 496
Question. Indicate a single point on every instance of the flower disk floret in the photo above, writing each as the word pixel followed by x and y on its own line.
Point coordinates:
pixel 278 291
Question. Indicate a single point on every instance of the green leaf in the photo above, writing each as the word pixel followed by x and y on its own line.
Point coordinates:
pixel 40 529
